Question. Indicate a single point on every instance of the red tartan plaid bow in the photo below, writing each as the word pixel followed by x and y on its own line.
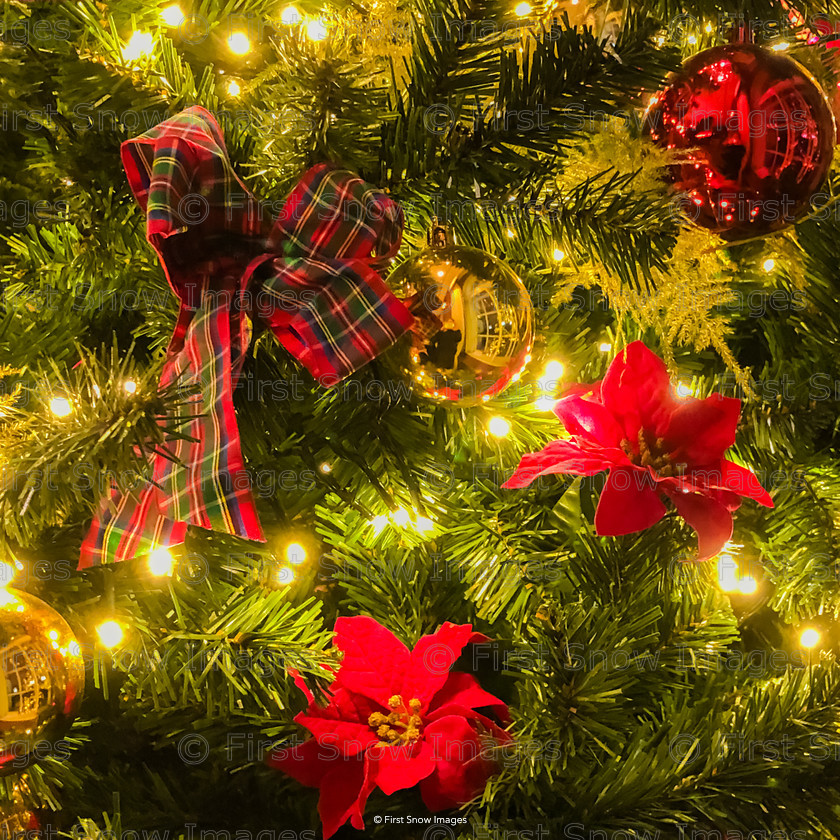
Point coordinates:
pixel 308 277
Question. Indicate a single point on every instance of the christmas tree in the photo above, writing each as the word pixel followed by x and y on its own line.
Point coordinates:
pixel 419 418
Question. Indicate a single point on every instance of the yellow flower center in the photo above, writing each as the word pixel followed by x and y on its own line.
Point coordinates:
pixel 401 726
pixel 651 452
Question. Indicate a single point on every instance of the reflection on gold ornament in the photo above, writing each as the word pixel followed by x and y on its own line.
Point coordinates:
pixel 473 322
pixel 601 16
pixel 16 820
pixel 43 678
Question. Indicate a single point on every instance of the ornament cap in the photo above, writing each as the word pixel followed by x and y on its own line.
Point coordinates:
pixel 438 235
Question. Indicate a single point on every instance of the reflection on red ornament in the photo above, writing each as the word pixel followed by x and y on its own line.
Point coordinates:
pixel 754 137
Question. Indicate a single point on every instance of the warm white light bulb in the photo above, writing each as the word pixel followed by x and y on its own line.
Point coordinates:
pixel 139 44
pixel 233 88
pixel 401 517
pixel 558 255
pixel 7 573
pixel 605 347
pixel 295 553
pixel 161 562
pixel 285 575
pixel 290 16
pixel 172 15
pixel 747 585
pixel 8 600
pixel 130 386
pixel 727 573
pixel 423 524
pixel 239 43
pixel 809 638
pixel 60 406
pixel 110 634
pixel 769 264
pixel 554 369
pixel 683 390
pixel 498 427
pixel 523 9
pixel 316 30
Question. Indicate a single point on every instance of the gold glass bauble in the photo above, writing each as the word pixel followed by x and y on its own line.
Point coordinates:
pixel 43 679
pixel 17 821
pixel 473 324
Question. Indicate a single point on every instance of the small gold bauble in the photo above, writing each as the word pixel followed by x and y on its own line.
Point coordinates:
pixel 473 324
pixel 43 679
pixel 17 822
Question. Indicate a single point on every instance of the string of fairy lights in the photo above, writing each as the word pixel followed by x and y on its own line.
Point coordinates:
pixel 141 43
pixel 731 576
pixel 161 562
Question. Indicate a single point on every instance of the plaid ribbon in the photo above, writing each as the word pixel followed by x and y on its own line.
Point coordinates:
pixel 309 277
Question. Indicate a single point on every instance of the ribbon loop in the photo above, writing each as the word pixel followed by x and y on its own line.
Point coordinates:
pixel 341 218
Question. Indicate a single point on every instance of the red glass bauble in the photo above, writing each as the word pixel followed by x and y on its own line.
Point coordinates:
pixel 758 135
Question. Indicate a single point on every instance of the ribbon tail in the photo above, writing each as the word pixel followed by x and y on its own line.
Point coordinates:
pixel 209 486
pixel 129 525
pixel 206 484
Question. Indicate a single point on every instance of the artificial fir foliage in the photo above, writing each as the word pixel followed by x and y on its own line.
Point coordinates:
pixel 649 694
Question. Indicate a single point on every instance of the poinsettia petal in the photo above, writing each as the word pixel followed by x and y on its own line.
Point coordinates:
pixel 463 763
pixel 637 392
pixel 432 659
pixel 374 659
pixel 344 705
pixel 338 737
pixel 744 482
pixel 306 763
pixel 301 684
pixel 480 723
pixel 704 482
pixel 560 456
pixel 402 765
pixel 463 690
pixel 629 502
pixel 344 793
pixel 709 517
pixel 700 431
pixel 590 420
pixel 731 501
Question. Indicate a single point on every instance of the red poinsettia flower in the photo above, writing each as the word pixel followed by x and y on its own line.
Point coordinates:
pixel 652 443
pixel 395 718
